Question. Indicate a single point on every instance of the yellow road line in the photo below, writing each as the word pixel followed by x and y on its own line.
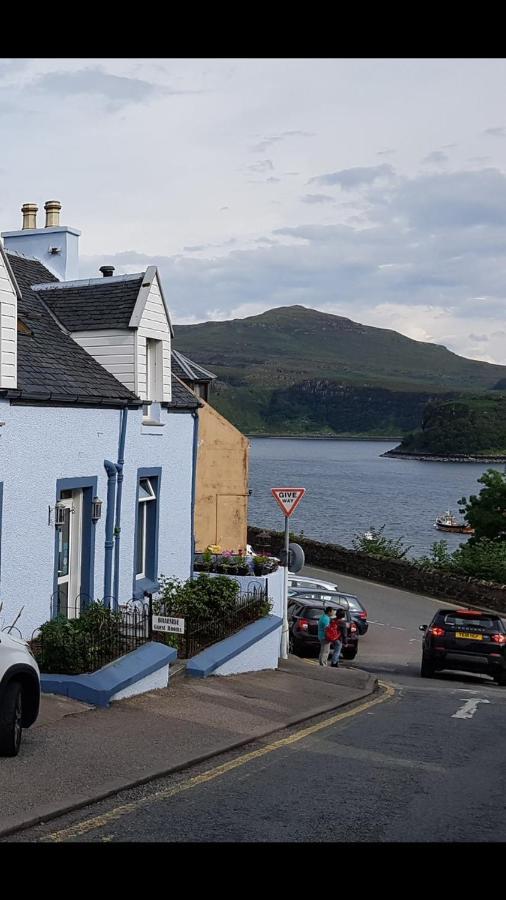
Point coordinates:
pixel 113 815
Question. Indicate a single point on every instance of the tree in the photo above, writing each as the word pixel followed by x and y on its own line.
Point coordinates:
pixel 486 513
pixel 375 543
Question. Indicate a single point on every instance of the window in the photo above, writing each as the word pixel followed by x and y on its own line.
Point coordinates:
pixel 154 379
pixel 146 495
pixel 145 574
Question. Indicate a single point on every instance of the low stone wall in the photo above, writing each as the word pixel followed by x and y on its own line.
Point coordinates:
pixel 396 572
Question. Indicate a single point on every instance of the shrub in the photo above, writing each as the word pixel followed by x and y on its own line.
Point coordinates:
pixel 378 545
pixel 72 646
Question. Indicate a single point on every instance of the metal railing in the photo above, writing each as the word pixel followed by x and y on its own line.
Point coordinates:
pixel 71 646
pixel 201 632
pixel 67 649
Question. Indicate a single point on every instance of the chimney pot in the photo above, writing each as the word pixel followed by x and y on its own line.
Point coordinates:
pixel 52 208
pixel 29 211
pixel 107 271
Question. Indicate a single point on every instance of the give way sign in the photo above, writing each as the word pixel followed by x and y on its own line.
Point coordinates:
pixel 288 498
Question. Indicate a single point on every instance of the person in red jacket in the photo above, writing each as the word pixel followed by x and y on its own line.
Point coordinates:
pixel 336 632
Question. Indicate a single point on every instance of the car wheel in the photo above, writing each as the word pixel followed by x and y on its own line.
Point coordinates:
pixel 500 678
pixel 427 669
pixel 11 716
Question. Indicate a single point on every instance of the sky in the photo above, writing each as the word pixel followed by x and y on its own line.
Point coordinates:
pixel 368 188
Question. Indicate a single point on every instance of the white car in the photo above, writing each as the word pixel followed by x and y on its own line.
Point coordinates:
pixel 310 584
pixel 19 692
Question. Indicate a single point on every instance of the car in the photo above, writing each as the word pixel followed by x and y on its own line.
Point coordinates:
pixel 303 615
pixel 311 584
pixel 469 640
pixel 19 692
pixel 357 609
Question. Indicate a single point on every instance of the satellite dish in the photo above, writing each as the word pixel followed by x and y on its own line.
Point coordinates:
pixel 296 558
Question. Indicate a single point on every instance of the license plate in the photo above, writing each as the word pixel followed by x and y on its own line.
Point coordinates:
pixel 468 637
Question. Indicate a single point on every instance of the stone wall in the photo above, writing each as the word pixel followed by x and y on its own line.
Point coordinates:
pixel 396 572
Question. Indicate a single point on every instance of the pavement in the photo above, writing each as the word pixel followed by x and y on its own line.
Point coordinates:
pixel 75 754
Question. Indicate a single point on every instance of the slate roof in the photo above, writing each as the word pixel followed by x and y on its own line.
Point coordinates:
pixel 188 370
pixel 51 366
pixel 97 303
pixel 182 396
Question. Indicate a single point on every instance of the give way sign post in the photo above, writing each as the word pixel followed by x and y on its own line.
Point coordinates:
pixel 288 499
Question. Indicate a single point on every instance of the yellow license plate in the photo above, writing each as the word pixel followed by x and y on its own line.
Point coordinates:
pixel 468 637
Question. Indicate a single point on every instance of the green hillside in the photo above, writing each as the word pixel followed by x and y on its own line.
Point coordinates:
pixel 471 425
pixel 297 370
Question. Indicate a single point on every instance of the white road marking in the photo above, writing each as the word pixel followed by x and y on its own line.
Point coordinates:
pixel 375 623
pixel 468 709
pixel 415 640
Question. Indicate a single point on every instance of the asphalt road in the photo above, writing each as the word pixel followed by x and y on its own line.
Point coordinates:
pixel 426 763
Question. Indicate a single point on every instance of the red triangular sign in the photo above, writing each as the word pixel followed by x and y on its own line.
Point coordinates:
pixel 288 498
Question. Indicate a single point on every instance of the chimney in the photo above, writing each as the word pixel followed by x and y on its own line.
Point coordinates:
pixel 56 246
pixel 107 271
pixel 29 211
pixel 52 208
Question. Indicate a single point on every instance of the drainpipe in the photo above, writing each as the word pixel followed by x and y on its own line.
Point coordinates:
pixel 119 492
pixel 195 417
pixel 110 468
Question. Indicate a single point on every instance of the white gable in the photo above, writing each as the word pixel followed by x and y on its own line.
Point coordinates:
pixel 8 325
pixel 153 340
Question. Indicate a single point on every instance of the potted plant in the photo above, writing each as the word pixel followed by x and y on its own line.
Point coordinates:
pixel 242 565
pixel 204 562
pixel 261 565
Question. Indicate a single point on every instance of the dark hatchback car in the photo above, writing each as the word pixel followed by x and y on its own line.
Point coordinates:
pixel 357 610
pixel 303 615
pixel 467 640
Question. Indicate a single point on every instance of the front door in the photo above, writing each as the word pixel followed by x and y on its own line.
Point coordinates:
pixel 69 554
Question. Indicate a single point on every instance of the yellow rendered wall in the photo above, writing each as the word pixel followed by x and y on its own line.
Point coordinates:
pixel 221 497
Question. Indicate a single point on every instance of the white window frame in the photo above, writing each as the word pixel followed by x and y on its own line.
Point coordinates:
pixel 143 520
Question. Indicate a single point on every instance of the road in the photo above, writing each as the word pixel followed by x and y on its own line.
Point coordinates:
pixel 423 761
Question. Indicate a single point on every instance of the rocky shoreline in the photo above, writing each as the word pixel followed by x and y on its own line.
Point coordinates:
pixel 429 457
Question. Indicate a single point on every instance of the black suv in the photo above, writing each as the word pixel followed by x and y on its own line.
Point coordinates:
pixel 467 640
pixel 303 615
pixel 357 610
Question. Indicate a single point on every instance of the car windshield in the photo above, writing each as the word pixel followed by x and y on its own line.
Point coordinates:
pixel 489 622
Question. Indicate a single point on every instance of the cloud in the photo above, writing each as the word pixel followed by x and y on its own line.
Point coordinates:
pixel 436 157
pixel 456 200
pixel 479 338
pixel 350 179
pixel 263 165
pixel 195 248
pixel 388 152
pixel 498 131
pixel 479 159
pixel 118 90
pixel 272 180
pixel 267 142
pixel 223 208
pixel 317 198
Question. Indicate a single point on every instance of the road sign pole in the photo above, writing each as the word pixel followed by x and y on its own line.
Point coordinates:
pixel 284 630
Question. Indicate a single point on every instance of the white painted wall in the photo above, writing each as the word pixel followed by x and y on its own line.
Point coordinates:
pixel 114 349
pixel 260 656
pixel 153 682
pixel 8 329
pixel 38 445
pixel 154 324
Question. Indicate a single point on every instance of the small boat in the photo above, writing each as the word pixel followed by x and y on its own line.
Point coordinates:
pixel 448 522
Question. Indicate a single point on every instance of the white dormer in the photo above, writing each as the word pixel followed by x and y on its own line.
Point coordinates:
pixel 9 293
pixel 152 341
pixel 124 323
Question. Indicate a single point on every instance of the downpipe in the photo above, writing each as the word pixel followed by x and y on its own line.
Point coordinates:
pixel 119 495
pixel 110 468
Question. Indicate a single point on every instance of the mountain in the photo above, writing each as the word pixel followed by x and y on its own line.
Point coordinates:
pixel 298 370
